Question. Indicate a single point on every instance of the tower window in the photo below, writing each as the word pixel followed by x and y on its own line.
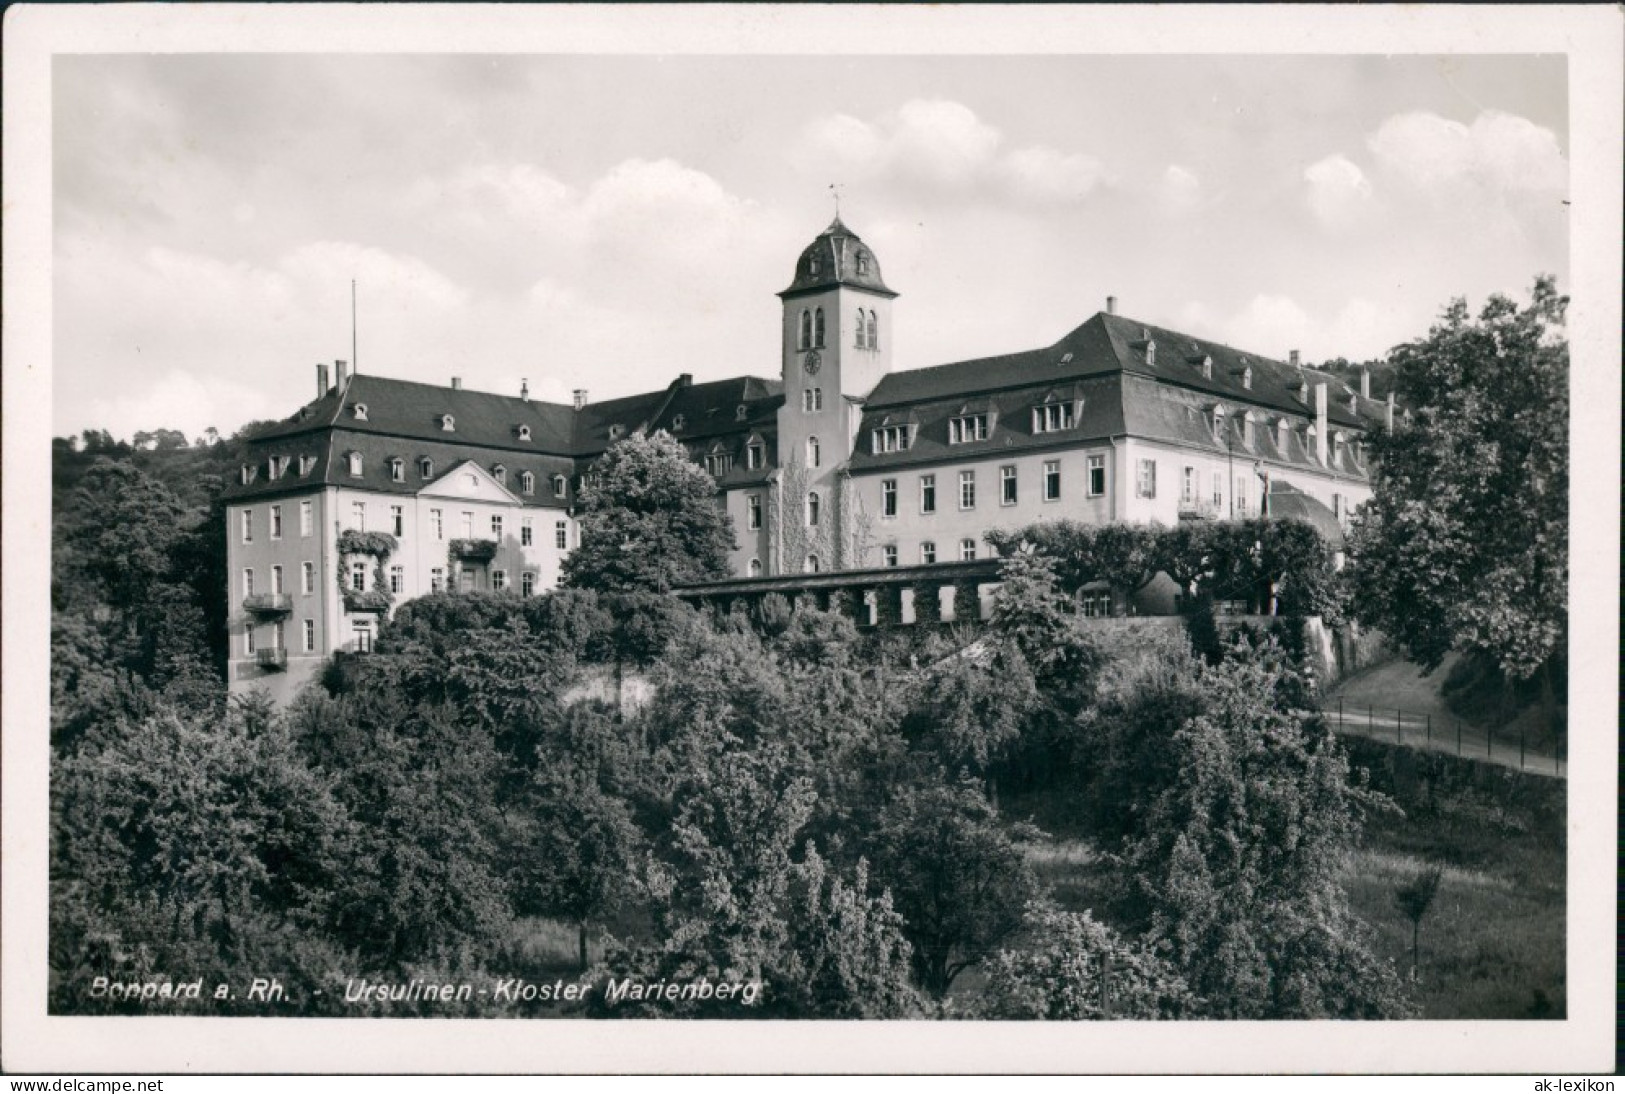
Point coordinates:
pixel 874 332
pixel 818 328
pixel 753 512
pixel 805 338
pixel 862 338
pixel 812 509
pixel 814 453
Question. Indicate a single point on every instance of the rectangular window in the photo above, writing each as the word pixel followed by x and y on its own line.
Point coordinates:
pixel 248 582
pixel 279 636
pixel 1337 506
pixel 363 637
pixel 496 527
pixel 1218 490
pixel 248 526
pixel 753 457
pixel 527 584
pixel 891 438
pixel 967 490
pixel 437 580
pixel 888 498
pixel 437 523
pixel 397 520
pixel 307 519
pixel 358 576
pixel 499 579
pixel 527 534
pixel 397 579
pixel 1241 495
pixel 248 639
pixel 1052 480
pixel 310 636
pixel 1007 486
pixel 1052 417
pixel 561 534
pixel 1096 486
pixel 276 579
pixel 307 577
pixel 928 553
pixel 1146 482
pixel 753 512
pixel 276 522
pixel 967 550
pixel 466 524
pixel 970 427
pixel 928 493
pixel 888 555
pixel 1187 486
pixel 358 515
pixel 718 464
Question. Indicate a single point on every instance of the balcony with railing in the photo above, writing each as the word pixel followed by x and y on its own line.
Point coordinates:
pixel 274 659
pixel 473 550
pixel 1198 509
pixel 268 603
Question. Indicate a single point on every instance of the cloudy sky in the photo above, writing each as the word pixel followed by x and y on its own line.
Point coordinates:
pixel 609 222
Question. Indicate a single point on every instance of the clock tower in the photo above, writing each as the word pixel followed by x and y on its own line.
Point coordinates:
pixel 836 345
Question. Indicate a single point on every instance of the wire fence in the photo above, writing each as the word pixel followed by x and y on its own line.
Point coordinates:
pixel 1439 733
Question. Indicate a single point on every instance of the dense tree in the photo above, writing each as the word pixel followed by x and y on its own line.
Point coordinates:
pixel 956 873
pixel 1075 967
pixel 1233 819
pixel 1464 544
pixel 649 521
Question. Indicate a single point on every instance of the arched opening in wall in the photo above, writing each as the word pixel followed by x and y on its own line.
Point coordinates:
pixel 874 332
pixel 814 452
pixel 805 338
pixel 812 564
pixel 818 328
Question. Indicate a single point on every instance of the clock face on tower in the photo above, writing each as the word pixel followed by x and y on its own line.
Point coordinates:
pixel 811 362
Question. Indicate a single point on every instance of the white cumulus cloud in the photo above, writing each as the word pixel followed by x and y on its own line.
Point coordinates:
pixel 1337 191
pixel 1499 151
pixel 1179 190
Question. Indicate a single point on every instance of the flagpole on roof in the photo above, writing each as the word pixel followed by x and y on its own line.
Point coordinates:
pixel 355 361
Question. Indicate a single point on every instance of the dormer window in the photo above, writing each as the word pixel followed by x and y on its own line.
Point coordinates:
pixel 812 265
pixel 1051 417
pixel 754 453
pixel 1247 377
pixel 678 421
pixel 616 431
pixel 397 469
pixel 448 424
pixel 1205 364
pixel 1150 352
pixel 500 473
pixel 306 465
pixel 426 467
pixel 250 473
pixel 967 428
pixel 863 263
pixel 360 410
pixel 1309 436
pixel 1283 430
pixel 741 412
pixel 1247 435
pixel 1218 424
pixel 1354 403
pixel 890 438
pixel 524 432
pixel 1337 446
pixel 718 462
pixel 527 483
pixel 559 486
pixel 355 464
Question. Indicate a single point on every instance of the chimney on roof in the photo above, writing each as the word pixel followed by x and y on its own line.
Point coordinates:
pixel 341 372
pixel 1365 383
pixel 456 383
pixel 321 380
pixel 685 379
pixel 1111 305
pixel 579 395
pixel 524 389
pixel 1297 362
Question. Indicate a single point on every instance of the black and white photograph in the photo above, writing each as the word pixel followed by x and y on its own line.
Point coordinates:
pixel 811 538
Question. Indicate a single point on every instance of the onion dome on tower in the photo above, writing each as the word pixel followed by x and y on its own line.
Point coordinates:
pixel 837 257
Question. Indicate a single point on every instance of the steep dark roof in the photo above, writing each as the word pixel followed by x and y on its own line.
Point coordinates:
pixel 1287 502
pixel 1113 343
pixel 837 257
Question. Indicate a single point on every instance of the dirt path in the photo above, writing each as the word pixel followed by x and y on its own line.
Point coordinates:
pixel 1395 702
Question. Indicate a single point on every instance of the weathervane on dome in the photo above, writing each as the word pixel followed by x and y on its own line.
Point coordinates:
pixel 835 192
